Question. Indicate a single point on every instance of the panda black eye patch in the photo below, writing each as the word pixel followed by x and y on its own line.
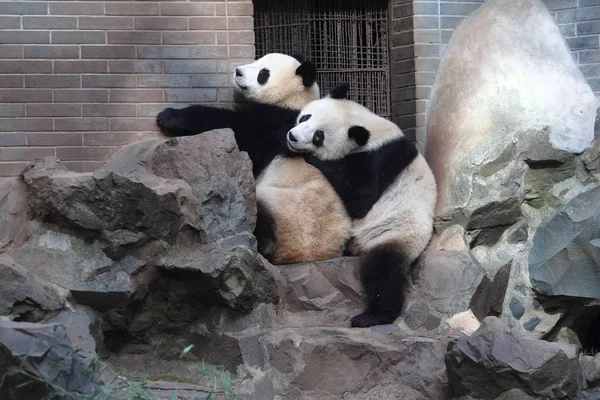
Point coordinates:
pixel 318 138
pixel 304 118
pixel 263 76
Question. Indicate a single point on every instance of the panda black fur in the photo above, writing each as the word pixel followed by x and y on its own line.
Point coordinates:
pixel 386 185
pixel 300 216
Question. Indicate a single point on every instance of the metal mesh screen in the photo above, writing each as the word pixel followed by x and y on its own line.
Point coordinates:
pixel 346 39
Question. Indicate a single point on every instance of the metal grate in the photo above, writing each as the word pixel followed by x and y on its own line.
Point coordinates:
pixel 346 39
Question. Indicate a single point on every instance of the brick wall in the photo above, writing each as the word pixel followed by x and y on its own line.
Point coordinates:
pixel 78 79
pixel 421 31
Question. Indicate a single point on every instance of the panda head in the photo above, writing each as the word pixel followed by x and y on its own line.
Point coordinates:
pixel 333 127
pixel 278 79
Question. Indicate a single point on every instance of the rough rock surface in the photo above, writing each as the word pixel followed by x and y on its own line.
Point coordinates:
pixel 565 257
pixel 491 87
pixel 495 360
pixel 36 352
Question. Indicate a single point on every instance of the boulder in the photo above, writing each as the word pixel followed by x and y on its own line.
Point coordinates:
pixel 565 257
pixel 496 359
pixel 24 296
pixel 42 355
pixel 591 369
pixel 491 91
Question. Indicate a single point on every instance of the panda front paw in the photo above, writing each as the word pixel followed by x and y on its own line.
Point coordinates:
pixel 168 122
pixel 366 319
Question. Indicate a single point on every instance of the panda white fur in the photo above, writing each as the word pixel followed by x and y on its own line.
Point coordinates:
pixel 300 216
pixel 386 185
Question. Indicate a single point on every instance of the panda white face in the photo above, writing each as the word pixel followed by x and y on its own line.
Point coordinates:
pixel 325 129
pixel 277 79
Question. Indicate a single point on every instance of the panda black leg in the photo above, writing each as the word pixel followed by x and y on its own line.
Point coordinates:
pixel 383 281
pixel 265 231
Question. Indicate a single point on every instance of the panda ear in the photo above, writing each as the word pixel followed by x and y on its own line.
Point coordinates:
pixel 299 57
pixel 308 72
pixel 360 134
pixel 340 91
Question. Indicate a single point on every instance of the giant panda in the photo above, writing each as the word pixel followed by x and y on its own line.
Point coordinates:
pixel 300 216
pixel 386 185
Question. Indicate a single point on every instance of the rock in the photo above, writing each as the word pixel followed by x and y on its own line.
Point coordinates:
pixel 591 369
pixel 38 353
pixel 447 280
pixel 591 157
pixel 490 92
pixel 565 257
pixel 327 363
pixel 22 295
pixel 489 296
pixel 82 330
pixel 495 359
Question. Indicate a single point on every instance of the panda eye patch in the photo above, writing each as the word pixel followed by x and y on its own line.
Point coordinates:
pixel 318 138
pixel 263 76
pixel 304 118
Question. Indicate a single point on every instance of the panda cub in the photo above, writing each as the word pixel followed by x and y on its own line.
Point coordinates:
pixel 300 216
pixel 386 185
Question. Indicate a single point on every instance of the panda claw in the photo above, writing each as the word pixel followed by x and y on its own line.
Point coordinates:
pixel 366 319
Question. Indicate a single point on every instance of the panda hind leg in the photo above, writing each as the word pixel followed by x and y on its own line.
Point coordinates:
pixel 383 280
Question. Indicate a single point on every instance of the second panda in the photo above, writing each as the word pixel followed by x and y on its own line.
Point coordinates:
pixel 386 185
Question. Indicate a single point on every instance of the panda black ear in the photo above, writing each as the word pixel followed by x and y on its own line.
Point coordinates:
pixel 360 134
pixel 308 71
pixel 299 57
pixel 340 91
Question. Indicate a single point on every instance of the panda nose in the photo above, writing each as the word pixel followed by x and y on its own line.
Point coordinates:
pixel 291 137
pixel 238 72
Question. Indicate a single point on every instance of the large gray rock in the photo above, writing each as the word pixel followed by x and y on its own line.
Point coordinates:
pixel 591 369
pixel 565 257
pixel 23 295
pixel 40 353
pixel 491 91
pixel 495 360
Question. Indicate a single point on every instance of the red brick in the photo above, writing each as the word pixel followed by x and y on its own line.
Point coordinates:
pixel 78 8
pixel 209 23
pixel 163 52
pixel 54 139
pixel 52 81
pixel 108 139
pixel 191 9
pixel 193 38
pixel 108 81
pixel 24 37
pixel 191 95
pixel 134 37
pixel 51 52
pixel 11 81
pixel 110 51
pixel 135 9
pixel 135 96
pixel 109 110
pixel 81 124
pixel 244 9
pixel 105 22
pixel 12 110
pixel 25 96
pixel 161 23
pixel 25 125
pixel 84 153
pixel 210 80
pixel 12 139
pixel 24 153
pixel 135 67
pixel 11 52
pixel 193 67
pixel 12 168
pixel 78 37
pixel 161 81
pixel 81 96
pixel 53 110
pixel 70 67
pixel 50 22
pixel 152 110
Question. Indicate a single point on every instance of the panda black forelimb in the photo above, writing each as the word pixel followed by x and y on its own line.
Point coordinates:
pixel 382 275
